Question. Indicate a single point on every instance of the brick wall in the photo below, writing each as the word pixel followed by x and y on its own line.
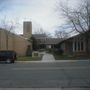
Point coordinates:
pixel 15 42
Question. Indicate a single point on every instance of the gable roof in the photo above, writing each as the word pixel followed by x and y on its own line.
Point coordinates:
pixel 49 41
pixel 39 36
pixel 43 39
pixel 53 40
pixel 75 36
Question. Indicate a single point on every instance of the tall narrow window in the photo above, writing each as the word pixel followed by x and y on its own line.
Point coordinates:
pixel 75 48
pixel 78 45
pixel 82 46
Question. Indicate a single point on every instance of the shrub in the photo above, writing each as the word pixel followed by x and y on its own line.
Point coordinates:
pixel 59 51
pixel 29 51
pixel 36 54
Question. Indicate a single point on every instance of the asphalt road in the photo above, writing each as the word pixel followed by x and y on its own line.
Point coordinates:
pixel 45 75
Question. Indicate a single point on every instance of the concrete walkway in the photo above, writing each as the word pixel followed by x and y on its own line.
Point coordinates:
pixel 48 58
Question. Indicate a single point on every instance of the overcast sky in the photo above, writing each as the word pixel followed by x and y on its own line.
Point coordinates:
pixel 41 12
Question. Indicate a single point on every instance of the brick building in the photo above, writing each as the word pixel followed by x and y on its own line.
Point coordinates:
pixel 76 44
pixel 15 42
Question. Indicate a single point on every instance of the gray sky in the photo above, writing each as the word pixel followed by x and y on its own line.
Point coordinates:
pixel 41 12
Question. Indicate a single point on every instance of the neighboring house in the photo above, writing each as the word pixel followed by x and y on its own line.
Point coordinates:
pixel 45 42
pixel 75 45
pixel 18 43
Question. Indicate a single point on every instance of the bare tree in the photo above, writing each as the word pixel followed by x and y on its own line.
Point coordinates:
pixel 41 31
pixel 2 7
pixel 9 28
pixel 79 19
pixel 61 34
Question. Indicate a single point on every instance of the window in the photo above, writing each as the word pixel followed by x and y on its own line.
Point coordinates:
pixel 82 46
pixel 75 48
pixel 78 45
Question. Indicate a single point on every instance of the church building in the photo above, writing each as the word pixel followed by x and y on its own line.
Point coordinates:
pixel 18 43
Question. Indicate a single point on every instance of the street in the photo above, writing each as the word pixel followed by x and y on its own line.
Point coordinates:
pixel 74 74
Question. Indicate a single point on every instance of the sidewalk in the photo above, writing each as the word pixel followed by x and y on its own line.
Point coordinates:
pixel 54 61
pixel 48 58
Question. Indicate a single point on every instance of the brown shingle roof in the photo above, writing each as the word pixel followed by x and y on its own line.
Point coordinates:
pixel 52 40
pixel 39 36
pixel 42 39
pixel 49 40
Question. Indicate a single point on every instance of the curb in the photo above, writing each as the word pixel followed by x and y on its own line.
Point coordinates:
pixel 56 61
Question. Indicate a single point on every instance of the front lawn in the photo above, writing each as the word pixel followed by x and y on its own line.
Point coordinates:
pixel 29 58
pixel 70 57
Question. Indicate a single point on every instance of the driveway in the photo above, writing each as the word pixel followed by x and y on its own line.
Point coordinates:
pixel 48 58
